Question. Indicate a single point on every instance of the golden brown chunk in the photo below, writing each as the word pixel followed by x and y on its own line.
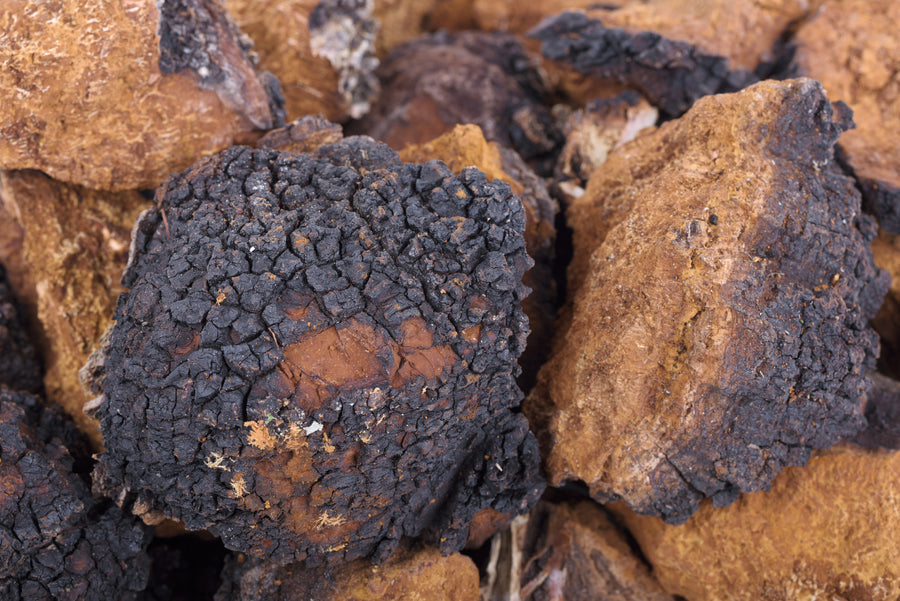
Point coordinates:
pixel 722 284
pixel 74 245
pixel 118 96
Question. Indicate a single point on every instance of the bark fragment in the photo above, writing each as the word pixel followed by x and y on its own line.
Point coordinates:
pixel 672 74
pixel 100 94
pixel 316 356
pixel 722 286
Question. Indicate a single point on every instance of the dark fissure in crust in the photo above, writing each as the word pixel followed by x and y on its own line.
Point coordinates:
pixel 19 365
pixel 317 354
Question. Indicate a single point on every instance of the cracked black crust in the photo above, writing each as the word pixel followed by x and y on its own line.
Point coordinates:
pixel 670 73
pixel 19 365
pixel 197 353
pixel 799 382
pixel 56 541
pixel 483 78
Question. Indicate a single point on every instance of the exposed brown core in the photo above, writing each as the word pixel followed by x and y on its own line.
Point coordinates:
pixel 355 355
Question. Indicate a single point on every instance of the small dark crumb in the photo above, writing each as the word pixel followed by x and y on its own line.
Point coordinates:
pixel 714 219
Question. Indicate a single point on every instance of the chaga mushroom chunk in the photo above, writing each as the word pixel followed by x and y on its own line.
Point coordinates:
pixel 19 366
pixel 672 74
pixel 317 354
pixel 438 81
pixel 56 541
pixel 723 285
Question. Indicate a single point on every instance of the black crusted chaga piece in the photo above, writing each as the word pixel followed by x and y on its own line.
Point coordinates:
pixel 437 81
pixel 671 74
pixel 317 354
pixel 722 288
pixel 200 37
pixel 19 365
pixel 56 541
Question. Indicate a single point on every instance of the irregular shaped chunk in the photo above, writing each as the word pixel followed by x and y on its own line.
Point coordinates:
pixel 438 81
pixel 851 46
pixel 118 96
pixel 56 541
pixel 322 52
pixel 66 271
pixel 672 74
pixel 412 574
pixel 827 531
pixel 317 354
pixel 722 286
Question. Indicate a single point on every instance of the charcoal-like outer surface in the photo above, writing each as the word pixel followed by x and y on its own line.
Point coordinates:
pixel 672 74
pixel 317 355
pixel 19 365
pixel 56 541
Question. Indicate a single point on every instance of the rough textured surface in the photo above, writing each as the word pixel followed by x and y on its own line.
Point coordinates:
pixel 886 250
pixel 66 272
pixel 304 135
pixel 592 133
pixel 465 146
pixel 826 531
pixel 322 52
pixel 317 354
pixel 91 94
pixel 672 74
pixel 56 542
pixel 573 551
pixel 444 79
pixel 19 365
pixel 851 46
pixel 421 575
pixel 722 284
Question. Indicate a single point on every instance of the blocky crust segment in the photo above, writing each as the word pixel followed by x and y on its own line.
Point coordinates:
pixel 723 284
pixel 672 74
pixel 317 354
pixel 56 541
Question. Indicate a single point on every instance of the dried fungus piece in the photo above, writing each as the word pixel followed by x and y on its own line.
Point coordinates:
pixel 411 574
pixel 851 46
pixel 722 287
pixel 322 52
pixel 438 81
pixel 66 270
pixel 825 531
pixel 465 146
pixel 672 74
pixel 56 541
pixel 117 97
pixel 19 365
pixel 572 551
pixel 317 355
